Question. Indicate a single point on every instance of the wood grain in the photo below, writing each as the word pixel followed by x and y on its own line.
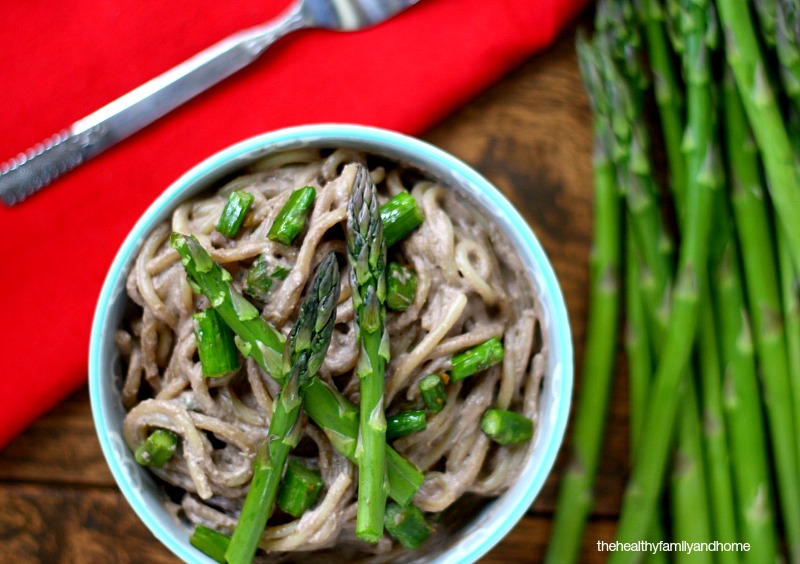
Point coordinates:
pixel 96 525
pixel 73 524
pixel 60 448
pixel 530 135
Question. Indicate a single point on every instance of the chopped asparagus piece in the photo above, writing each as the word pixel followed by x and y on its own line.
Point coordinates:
pixel 293 215
pixel 407 524
pixel 433 394
pixel 215 344
pixel 405 423
pixel 232 218
pixel 478 358
pixel 210 542
pixel 157 449
pixel 401 284
pixel 300 489
pixel 400 216
pixel 506 427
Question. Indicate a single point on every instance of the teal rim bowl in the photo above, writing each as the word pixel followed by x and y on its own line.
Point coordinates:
pixel 498 517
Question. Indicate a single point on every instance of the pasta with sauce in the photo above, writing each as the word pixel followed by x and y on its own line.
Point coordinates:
pixel 470 288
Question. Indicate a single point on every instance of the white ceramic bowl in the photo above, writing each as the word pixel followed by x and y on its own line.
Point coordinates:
pixel 498 517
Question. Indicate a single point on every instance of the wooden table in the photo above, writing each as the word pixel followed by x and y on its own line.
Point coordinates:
pixel 530 135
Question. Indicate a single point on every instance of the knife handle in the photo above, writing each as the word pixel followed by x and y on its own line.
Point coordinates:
pixel 41 164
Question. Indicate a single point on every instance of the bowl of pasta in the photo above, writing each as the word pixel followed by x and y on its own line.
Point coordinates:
pixel 328 342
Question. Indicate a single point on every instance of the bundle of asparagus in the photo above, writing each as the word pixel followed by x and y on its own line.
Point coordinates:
pixel 712 321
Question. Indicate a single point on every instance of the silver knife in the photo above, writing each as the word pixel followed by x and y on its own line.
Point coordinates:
pixel 84 139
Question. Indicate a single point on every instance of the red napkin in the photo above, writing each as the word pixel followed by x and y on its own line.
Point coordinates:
pixel 63 60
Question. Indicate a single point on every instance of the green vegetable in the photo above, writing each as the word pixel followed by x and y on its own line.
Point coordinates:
pixel 405 423
pixel 400 216
pixel 210 542
pixel 644 486
pixel 407 524
pixel 787 46
pixel 159 447
pixel 745 421
pixel 688 491
pixel 366 252
pixel 234 213
pixel 261 276
pixel 667 96
pixel 478 358
pixel 300 489
pixel 743 54
pixel 401 287
pixel 292 217
pixel 506 427
pixel 702 413
pixel 433 394
pixel 304 353
pixel 215 344
pixel 715 432
pixel 326 406
pixel 752 220
pixel 574 497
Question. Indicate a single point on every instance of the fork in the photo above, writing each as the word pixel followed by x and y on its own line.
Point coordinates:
pixel 30 171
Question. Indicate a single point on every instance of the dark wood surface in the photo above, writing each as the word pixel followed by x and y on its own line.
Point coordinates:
pixel 530 135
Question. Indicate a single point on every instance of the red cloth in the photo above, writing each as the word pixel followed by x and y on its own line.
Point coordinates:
pixel 62 60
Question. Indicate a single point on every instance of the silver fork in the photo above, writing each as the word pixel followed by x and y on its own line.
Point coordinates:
pixel 38 166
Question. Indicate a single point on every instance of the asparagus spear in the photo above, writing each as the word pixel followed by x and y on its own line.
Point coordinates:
pixel 305 350
pixel 790 302
pixel 233 214
pixel 611 102
pixel 644 486
pixel 210 542
pixel 690 519
pixel 667 96
pixel 651 244
pixel 300 489
pixel 366 251
pixel 159 447
pixel 326 406
pixel 741 401
pixel 762 289
pixel 716 479
pixel 292 217
pixel 640 365
pixel 769 130
pixel 405 423
pixel 718 460
pixel 575 489
pixel 400 216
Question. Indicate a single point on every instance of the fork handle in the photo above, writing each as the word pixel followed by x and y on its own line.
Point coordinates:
pixel 40 165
